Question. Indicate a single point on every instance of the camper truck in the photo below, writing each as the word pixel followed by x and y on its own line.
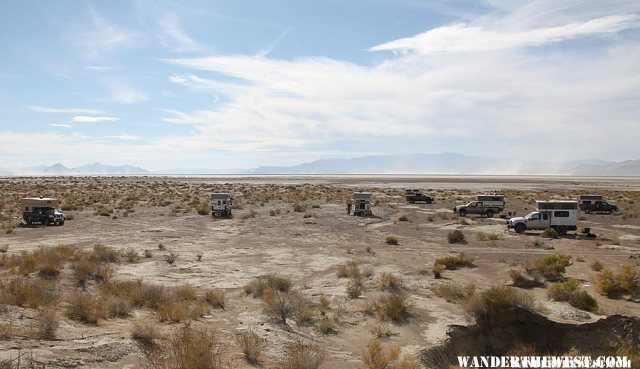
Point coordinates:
pixel 221 205
pixel 487 205
pixel 362 204
pixel 596 204
pixel 43 210
pixel 415 195
pixel 561 215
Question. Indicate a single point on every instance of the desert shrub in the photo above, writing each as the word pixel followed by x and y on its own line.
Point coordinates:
pixel 299 355
pixel 131 255
pixel 455 236
pixel 382 331
pixel 26 292
pixel 376 357
pixel 203 209
pixel 403 218
pixel 549 233
pixel 481 236
pixel 147 253
pixel 497 299
pixel 393 306
pixel 455 262
pixel 326 326
pixel 525 280
pixel 85 308
pixel 596 266
pixel 349 270
pixel 104 254
pixel 570 291
pixel 186 349
pixel 551 267
pixel 47 324
pixel 145 332
pixel 298 207
pixel 185 292
pixel 390 281
pixel 437 270
pixel 199 255
pixel 354 289
pixel 215 298
pixel 103 273
pixel 117 307
pixel 251 345
pixel 627 281
pixel 273 281
pixel 454 292
pixel 171 258
pixel 153 295
pixel 391 240
pixel 280 304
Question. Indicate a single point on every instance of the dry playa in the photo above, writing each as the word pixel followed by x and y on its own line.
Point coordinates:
pixel 161 216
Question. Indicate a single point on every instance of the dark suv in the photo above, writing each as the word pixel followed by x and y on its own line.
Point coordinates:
pixel 419 197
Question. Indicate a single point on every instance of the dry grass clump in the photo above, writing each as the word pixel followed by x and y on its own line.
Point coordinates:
pixel 570 291
pixel 104 254
pixel 526 279
pixel 455 236
pixel 391 240
pixel 299 208
pixel 171 258
pixel 497 299
pixel 626 282
pixel 145 332
pixel 215 298
pixel 455 262
pixel 453 292
pixel 299 355
pixel 281 304
pixel 596 266
pixel 390 281
pixel 393 306
pixel 188 348
pixel 272 281
pixel 376 357
pixel 550 233
pixel 481 236
pixel 551 267
pixel 349 270
pixel 131 255
pixel 403 218
pixel 26 292
pixel 251 345
pixel 85 307
pixel 47 324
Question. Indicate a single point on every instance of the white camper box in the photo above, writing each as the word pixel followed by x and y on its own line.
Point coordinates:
pixel 220 204
pixel 362 204
pixel 492 200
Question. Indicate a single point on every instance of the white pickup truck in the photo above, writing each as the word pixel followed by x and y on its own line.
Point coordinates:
pixel 560 215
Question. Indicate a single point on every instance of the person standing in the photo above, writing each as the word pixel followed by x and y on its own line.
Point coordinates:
pixel 348 208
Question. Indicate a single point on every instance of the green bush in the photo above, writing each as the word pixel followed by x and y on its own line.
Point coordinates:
pixel 571 292
pixel 497 299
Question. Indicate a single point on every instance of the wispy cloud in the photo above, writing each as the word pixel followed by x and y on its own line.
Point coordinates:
pixel 469 38
pixel 101 68
pixel 46 109
pixel 99 36
pixel 60 125
pixel 173 36
pixel 125 137
pixel 93 119
pixel 123 93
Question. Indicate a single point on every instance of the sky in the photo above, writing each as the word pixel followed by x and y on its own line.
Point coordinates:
pixel 240 84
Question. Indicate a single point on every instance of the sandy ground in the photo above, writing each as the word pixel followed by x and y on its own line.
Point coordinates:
pixel 309 249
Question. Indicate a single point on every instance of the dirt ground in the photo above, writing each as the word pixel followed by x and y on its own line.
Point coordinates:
pixel 266 235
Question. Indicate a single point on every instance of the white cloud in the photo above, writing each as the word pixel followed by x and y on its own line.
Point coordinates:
pixel 98 36
pixel 100 68
pixel 125 137
pixel 469 38
pixel 92 119
pixel 172 36
pixel 123 93
pixel 60 125
pixel 45 109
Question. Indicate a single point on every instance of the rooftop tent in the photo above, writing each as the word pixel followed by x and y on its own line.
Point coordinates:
pixel 557 205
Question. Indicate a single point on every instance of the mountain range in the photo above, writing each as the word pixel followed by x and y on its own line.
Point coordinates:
pixel 447 163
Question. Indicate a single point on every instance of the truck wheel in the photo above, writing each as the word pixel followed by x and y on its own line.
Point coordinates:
pixel 562 230
pixel 29 221
pixel 489 213
pixel 463 213
pixel 520 228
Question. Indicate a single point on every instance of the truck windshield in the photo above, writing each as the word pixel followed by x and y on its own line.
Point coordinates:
pixel 530 215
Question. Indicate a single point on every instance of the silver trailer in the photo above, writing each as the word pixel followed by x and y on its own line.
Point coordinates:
pixel 362 204
pixel 221 205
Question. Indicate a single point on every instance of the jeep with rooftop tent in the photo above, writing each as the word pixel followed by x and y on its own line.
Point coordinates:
pixel 43 210
pixel 413 196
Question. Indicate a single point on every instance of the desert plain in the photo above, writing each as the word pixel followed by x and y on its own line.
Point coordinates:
pixel 140 266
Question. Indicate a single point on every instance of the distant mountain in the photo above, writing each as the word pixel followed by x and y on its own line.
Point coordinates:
pixel 60 169
pixel 453 163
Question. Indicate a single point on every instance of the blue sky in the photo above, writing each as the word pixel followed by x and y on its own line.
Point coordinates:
pixel 238 84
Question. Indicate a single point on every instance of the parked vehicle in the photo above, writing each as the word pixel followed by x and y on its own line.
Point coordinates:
pixel 221 205
pixel 561 215
pixel 596 204
pixel 362 204
pixel 43 210
pixel 414 195
pixel 486 205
